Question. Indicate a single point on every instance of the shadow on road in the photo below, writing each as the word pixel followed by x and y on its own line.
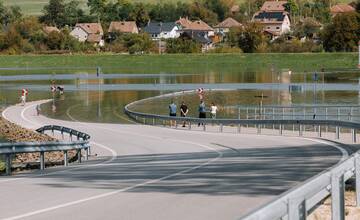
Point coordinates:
pixel 255 172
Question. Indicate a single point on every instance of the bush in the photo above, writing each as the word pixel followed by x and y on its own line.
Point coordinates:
pixel 294 46
pixel 225 49
pixel 182 45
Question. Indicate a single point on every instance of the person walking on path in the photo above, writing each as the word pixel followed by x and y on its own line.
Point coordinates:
pixel 213 110
pixel 184 111
pixel 38 110
pixel 202 111
pixel 172 109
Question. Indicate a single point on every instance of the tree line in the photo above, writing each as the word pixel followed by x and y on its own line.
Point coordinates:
pixel 24 34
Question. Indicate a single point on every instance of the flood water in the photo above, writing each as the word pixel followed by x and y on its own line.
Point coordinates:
pixel 102 99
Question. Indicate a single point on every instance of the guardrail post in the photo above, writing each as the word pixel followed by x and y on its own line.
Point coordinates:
pixel 337 132
pixel 153 121
pixel 300 130
pixel 144 121
pixel 66 160
pixel 8 164
pixel 280 129
pixel 239 128
pixel 189 125
pixel 259 129
pixel 204 127
pixel 221 128
pixel 42 160
pixel 357 179
pixel 353 132
pixel 296 209
pixel 319 131
pixel 79 155
pixel 337 197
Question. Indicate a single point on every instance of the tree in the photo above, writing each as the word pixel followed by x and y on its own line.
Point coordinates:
pixel 140 15
pixel 54 13
pixel 97 7
pixel 343 33
pixel 182 45
pixel 73 13
pixel 292 8
pixel 248 38
pixel 306 28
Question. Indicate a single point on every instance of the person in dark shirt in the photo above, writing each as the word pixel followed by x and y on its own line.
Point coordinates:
pixel 202 111
pixel 183 111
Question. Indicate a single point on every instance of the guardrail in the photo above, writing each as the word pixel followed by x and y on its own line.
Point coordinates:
pixel 82 143
pixel 299 202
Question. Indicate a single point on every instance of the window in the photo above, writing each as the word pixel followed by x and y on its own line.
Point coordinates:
pixel 278 28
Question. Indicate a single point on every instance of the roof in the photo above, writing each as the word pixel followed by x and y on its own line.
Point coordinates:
pixel 341 8
pixel 91 28
pixel 235 8
pixel 228 23
pixel 122 26
pixel 273 6
pixel 198 25
pixel 158 27
pixel 49 29
pixel 270 16
pixel 94 38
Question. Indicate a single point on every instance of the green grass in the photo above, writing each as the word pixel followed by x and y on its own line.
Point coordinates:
pixel 181 63
pixel 34 7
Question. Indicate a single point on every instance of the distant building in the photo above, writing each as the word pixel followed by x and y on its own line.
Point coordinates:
pixel 123 27
pixel 273 17
pixel 89 32
pixel 199 31
pixel 49 29
pixel 162 30
pixel 273 6
pixel 225 26
pixel 340 9
pixel 275 23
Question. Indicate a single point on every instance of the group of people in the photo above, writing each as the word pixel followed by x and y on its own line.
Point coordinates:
pixel 184 110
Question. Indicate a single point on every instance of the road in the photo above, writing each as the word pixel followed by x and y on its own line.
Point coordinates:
pixel 144 172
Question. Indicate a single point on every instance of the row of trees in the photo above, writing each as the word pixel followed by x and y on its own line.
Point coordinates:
pixel 24 34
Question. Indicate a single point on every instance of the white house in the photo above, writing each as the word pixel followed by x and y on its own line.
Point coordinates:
pixel 89 32
pixel 162 30
pixel 274 18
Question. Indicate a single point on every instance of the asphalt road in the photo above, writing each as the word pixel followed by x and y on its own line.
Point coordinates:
pixel 144 172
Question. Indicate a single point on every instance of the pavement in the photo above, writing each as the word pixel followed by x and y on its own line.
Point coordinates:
pixel 145 172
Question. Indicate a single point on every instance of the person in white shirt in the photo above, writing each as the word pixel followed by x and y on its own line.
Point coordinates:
pixel 213 110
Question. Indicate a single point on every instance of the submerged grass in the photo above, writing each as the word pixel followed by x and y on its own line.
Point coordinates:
pixel 178 63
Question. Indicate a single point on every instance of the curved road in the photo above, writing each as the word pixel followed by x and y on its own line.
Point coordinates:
pixel 144 172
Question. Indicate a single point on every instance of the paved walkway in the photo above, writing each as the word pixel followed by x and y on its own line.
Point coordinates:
pixel 144 172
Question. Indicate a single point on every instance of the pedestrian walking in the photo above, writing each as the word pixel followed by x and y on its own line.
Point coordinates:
pixel 213 110
pixel 202 111
pixel 184 111
pixel 172 110
pixel 38 110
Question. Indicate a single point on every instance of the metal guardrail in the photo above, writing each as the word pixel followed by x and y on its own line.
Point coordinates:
pixel 299 202
pixel 82 143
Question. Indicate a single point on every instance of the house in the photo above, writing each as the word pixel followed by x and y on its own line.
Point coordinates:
pixel 48 29
pixel 276 23
pixel 195 26
pixel 199 31
pixel 226 25
pixel 162 30
pixel 123 27
pixel 273 6
pixel 274 18
pixel 341 8
pixel 89 32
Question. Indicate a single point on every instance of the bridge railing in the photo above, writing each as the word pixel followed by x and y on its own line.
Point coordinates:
pixel 299 202
pixel 82 143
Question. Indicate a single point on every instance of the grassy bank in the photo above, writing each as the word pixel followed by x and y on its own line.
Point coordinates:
pixel 183 63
